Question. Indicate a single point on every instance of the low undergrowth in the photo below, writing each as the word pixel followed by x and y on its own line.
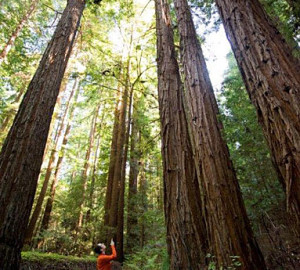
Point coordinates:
pixel 45 261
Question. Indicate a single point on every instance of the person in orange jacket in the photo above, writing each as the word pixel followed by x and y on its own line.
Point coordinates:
pixel 103 260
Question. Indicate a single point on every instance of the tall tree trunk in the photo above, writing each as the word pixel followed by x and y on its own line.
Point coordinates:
pixel 135 155
pixel 17 31
pixel 52 158
pixel 113 186
pixel 229 229
pixel 84 174
pixel 22 153
pixel 120 227
pixel 118 162
pixel 112 161
pixel 49 204
pixel 272 78
pixel 184 213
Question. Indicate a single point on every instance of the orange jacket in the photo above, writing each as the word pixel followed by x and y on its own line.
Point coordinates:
pixel 103 261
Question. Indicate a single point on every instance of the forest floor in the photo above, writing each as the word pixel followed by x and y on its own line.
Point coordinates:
pixel 47 261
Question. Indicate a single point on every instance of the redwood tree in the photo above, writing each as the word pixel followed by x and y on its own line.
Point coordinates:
pixel 185 217
pixel 112 161
pixel 114 185
pixel 22 153
pixel 272 78
pixel 229 230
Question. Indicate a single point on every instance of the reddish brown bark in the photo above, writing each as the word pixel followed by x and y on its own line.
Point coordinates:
pixel 272 78
pixel 229 229
pixel 113 154
pixel 113 215
pixel 115 169
pixel 22 153
pixel 17 31
pixel 184 213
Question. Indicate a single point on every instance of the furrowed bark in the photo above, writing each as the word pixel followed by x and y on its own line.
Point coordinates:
pixel 185 218
pixel 22 153
pixel 272 78
pixel 114 183
pixel 229 229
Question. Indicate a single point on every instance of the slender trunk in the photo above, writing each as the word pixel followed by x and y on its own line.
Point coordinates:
pixel 272 78
pixel 17 31
pixel 144 205
pixel 135 155
pixel 22 153
pixel 97 153
pixel 84 174
pixel 120 227
pixel 52 158
pixel 49 204
pixel 183 200
pixel 229 229
pixel 91 195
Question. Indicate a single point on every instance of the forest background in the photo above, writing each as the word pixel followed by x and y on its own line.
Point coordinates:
pixel 115 46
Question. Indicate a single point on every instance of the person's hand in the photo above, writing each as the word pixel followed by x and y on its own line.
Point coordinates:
pixel 112 243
